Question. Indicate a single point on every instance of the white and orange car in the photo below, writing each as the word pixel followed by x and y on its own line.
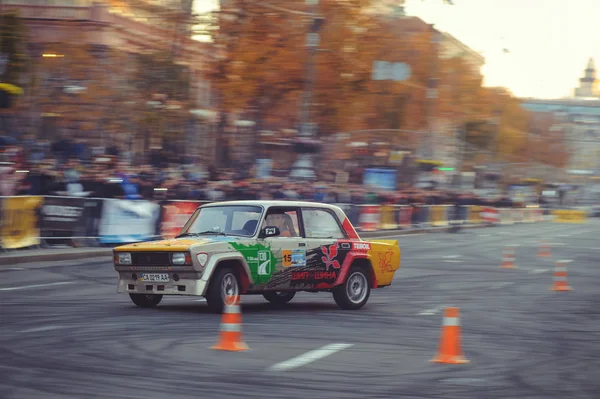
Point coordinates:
pixel 273 248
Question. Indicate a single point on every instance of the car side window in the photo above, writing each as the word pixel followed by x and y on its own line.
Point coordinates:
pixel 286 220
pixel 319 223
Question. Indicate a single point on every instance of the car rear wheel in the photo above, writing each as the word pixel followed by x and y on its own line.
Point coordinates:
pixel 224 283
pixel 146 300
pixel 279 297
pixel 355 291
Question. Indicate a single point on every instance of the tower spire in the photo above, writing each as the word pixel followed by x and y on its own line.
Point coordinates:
pixel 591 65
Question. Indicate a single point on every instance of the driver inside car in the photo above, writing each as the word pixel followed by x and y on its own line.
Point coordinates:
pixel 283 222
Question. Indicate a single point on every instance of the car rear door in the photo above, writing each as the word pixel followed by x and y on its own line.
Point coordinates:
pixel 327 247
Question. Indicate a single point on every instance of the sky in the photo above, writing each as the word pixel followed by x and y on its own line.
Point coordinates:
pixel 549 42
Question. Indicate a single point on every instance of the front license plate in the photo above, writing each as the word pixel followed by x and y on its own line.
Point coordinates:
pixel 154 277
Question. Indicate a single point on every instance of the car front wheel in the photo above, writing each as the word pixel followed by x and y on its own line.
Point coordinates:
pixel 224 283
pixel 279 297
pixel 146 300
pixel 355 291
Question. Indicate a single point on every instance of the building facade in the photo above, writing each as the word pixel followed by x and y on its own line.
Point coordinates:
pixel 579 121
pixel 127 28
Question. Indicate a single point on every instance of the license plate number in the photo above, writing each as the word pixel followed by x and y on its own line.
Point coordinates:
pixel 155 277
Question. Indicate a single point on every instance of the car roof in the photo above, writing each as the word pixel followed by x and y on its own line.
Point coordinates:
pixel 268 204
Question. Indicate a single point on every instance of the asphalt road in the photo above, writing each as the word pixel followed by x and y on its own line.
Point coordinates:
pixel 65 333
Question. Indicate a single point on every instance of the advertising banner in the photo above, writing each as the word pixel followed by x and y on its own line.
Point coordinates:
pixel 174 216
pixel 19 228
pixel 60 216
pixel 89 222
pixel 384 179
pixel 126 221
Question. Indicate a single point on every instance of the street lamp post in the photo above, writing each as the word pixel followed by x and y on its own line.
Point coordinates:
pixel 312 42
pixel 306 128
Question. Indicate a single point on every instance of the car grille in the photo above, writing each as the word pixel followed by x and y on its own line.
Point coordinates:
pixel 150 259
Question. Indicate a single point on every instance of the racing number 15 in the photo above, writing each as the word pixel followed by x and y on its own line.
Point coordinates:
pixel 287 258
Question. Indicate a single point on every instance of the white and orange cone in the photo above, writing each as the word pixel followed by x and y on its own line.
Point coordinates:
pixel 508 257
pixel 560 277
pixel 544 250
pixel 230 334
pixel 450 351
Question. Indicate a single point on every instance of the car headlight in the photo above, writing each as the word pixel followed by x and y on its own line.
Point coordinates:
pixel 181 258
pixel 123 258
pixel 202 259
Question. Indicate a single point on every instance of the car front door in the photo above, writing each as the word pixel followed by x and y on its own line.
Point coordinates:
pixel 286 252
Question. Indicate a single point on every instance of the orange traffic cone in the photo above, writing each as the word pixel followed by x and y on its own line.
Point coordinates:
pixel 450 351
pixel 508 258
pixel 560 277
pixel 544 250
pixel 230 335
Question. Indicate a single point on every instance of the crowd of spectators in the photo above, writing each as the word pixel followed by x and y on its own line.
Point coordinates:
pixel 65 168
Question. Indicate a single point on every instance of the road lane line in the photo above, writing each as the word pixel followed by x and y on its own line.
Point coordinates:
pixel 24 287
pixel 41 329
pixel 452 261
pixel 432 311
pixel 538 271
pixel 451 256
pixel 309 357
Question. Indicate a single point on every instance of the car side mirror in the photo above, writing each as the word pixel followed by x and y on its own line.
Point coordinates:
pixel 269 231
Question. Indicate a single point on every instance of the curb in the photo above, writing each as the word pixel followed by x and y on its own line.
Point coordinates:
pixel 53 256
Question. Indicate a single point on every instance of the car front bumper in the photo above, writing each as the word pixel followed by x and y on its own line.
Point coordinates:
pixel 190 284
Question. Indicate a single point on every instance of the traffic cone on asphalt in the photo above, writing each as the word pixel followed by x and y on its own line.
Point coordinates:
pixel 450 351
pixel 544 250
pixel 230 334
pixel 508 257
pixel 560 277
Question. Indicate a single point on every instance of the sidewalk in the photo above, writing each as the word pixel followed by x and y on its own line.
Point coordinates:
pixel 16 257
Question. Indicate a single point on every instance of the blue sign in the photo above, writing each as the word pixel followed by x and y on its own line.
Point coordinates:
pixel 385 179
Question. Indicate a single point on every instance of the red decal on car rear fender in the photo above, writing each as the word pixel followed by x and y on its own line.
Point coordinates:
pixel 349 229
pixel 346 267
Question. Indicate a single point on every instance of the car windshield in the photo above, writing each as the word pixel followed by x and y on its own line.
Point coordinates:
pixel 238 220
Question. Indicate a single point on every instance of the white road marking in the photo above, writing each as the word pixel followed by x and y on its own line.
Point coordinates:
pixel 432 311
pixel 451 256
pixel 538 271
pixel 557 243
pixel 500 285
pixel 452 261
pixel 14 268
pixel 309 357
pixel 484 235
pixel 45 328
pixel 24 287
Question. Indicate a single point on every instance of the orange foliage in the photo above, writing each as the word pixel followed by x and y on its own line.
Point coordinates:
pixel 261 70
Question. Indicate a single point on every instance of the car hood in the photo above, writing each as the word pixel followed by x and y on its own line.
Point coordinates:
pixel 182 244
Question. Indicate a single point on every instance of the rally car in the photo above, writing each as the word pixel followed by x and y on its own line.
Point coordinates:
pixel 273 248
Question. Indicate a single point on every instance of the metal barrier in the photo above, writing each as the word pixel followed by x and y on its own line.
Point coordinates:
pixel 28 221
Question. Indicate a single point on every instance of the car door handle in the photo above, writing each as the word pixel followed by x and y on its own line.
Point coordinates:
pixel 301 244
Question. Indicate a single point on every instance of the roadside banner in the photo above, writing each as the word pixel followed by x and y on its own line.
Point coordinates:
pixel 20 222
pixel 125 221
pixel 569 216
pixel 490 215
pixel 60 216
pixel 174 216
pixel 90 218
